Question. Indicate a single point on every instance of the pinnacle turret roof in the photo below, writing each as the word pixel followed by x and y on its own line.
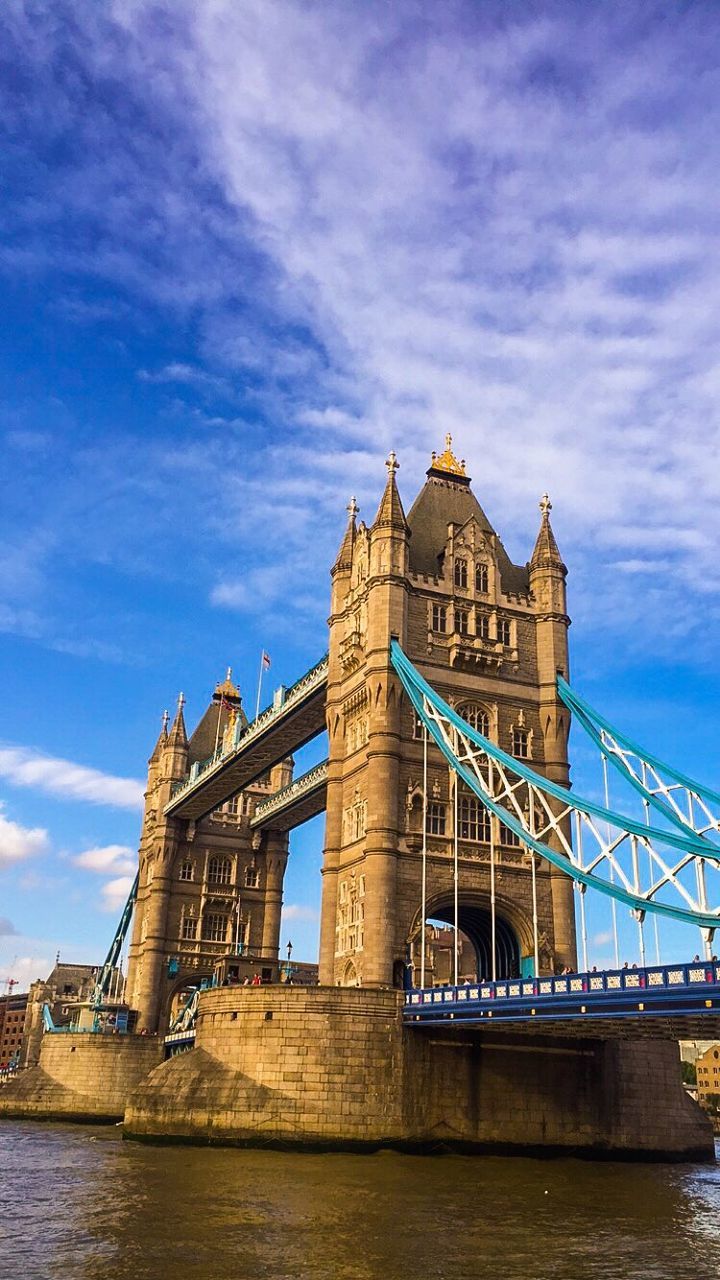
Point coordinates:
pixel 546 553
pixel 390 512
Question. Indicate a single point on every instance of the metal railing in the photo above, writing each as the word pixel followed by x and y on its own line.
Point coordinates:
pixel 317 675
pixel 610 992
pixel 301 786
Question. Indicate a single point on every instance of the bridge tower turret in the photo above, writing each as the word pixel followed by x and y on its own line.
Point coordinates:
pixel 158 846
pixel 547 584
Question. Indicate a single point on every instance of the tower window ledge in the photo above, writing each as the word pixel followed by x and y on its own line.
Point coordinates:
pixel 472 650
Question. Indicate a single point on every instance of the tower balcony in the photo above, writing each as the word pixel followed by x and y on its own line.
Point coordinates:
pixel 466 650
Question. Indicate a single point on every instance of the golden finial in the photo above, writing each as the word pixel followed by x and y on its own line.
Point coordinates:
pixel 392 463
pixel 352 508
pixel 545 505
pixel 447 461
pixel 165 720
pixel 227 691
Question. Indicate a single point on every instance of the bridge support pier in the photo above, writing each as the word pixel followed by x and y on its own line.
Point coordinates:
pixel 336 1068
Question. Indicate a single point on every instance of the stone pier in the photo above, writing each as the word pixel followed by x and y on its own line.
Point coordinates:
pixel 335 1068
pixel 80 1077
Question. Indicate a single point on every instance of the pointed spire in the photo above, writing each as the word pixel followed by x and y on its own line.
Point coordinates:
pixel 547 553
pixel 345 554
pixel 162 740
pixel 390 511
pixel 445 465
pixel 178 734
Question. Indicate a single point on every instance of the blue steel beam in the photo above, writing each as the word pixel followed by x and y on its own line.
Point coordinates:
pixel 418 690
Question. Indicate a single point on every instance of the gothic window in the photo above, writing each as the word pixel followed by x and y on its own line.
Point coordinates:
pixel 482 625
pixel 219 871
pixel 461 621
pixel 252 878
pixel 439 617
pixel 436 819
pixel 189 929
pixel 355 818
pixel 508 837
pixel 215 928
pixel 461 573
pixel 187 870
pixel 503 631
pixel 232 806
pixel 248 805
pixel 520 743
pixel 481 579
pixel 474 820
pixel 474 715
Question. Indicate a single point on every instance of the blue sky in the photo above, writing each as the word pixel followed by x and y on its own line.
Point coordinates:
pixel 246 249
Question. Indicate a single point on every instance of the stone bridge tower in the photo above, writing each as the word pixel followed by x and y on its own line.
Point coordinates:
pixel 490 636
pixel 208 889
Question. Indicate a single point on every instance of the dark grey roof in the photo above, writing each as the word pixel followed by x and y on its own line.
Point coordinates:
pixel 204 737
pixel 77 976
pixel 439 503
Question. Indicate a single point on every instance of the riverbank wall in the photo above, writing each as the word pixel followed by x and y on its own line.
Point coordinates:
pixel 80 1077
pixel 336 1068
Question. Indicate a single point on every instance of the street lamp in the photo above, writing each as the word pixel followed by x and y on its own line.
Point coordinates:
pixel 289 950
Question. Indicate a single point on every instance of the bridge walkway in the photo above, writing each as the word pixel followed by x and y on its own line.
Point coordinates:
pixel 680 1002
pixel 296 716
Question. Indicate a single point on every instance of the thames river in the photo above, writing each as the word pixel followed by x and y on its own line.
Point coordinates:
pixel 81 1203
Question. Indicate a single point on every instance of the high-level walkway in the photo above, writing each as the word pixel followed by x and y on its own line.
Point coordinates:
pixel 679 1001
pixel 295 718
pixel 300 800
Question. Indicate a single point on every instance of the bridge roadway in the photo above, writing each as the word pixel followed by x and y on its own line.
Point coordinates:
pixel 295 718
pixel 678 1002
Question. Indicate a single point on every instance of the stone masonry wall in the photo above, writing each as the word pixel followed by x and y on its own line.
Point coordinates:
pixel 81 1077
pixel 283 1065
pixel 334 1067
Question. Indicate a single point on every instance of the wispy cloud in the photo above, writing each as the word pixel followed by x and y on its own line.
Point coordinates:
pixel 115 892
pixel 298 911
pixel 7 928
pixel 25 767
pixel 105 859
pixel 18 842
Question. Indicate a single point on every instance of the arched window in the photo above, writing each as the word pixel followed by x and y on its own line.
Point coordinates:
pixel 474 821
pixel 481 579
pixel 461 574
pixel 475 716
pixel 187 870
pixel 219 871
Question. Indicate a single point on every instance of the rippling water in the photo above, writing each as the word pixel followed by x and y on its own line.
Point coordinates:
pixel 80 1202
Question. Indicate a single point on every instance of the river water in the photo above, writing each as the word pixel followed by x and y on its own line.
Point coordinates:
pixel 78 1203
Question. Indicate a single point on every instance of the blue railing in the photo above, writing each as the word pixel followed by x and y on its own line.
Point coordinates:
pixel 669 989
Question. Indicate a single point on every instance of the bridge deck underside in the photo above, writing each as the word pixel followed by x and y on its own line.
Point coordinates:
pixel 638 1027
pixel 295 812
pixel 232 773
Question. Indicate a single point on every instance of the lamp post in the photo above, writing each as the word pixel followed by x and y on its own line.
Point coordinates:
pixel 288 966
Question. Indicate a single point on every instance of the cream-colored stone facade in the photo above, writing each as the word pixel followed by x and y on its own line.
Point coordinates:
pixel 206 889
pixel 491 637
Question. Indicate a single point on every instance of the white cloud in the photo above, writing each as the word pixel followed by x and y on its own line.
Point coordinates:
pixel 115 893
pixel 17 842
pixel 297 911
pixel 25 767
pixel 602 939
pixel 26 969
pixel 119 858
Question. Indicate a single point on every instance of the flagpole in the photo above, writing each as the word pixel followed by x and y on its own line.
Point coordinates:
pixel 262 668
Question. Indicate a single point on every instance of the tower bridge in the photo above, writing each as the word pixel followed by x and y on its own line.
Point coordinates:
pixel 446 701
